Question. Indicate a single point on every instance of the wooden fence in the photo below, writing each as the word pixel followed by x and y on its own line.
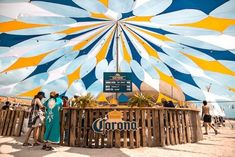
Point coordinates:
pixel 156 127
pixel 11 122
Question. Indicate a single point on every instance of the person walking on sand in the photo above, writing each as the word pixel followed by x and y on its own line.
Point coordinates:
pixel 207 118
pixel 52 133
pixel 36 118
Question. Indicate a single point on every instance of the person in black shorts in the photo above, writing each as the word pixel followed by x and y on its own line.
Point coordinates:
pixel 207 117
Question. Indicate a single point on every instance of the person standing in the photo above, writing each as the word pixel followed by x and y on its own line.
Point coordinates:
pixel 36 118
pixel 207 118
pixel 52 133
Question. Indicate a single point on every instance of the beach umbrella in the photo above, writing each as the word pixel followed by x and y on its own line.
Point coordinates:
pixel 170 46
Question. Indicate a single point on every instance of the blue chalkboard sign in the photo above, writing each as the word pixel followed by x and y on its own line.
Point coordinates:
pixel 117 82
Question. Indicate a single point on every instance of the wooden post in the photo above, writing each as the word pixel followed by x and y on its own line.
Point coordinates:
pixel 11 123
pixel 73 128
pixel 79 130
pixel 149 139
pixel 102 136
pixel 162 131
pixel 97 115
pixel 125 132
pixel 90 137
pixel 131 139
pixel 7 121
pixel 167 128
pixel 62 122
pixel 188 135
pixel 3 120
pixel 137 118
pixel 176 127
pixel 143 133
pixel 199 131
pixel 14 124
pixel 172 136
pixel 20 124
pixel 85 142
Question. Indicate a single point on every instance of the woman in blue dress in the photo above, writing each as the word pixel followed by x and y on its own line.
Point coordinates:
pixel 52 133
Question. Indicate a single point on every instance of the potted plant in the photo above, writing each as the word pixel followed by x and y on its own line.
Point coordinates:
pixel 140 100
pixel 86 101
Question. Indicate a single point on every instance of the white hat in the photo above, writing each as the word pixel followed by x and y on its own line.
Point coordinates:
pixel 76 94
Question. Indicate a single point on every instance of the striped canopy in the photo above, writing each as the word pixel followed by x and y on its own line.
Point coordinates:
pixel 180 48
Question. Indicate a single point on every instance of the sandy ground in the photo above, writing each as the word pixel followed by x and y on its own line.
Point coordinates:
pixel 221 145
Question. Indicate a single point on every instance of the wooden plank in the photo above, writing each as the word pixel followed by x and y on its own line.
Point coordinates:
pixel 102 135
pixel 188 134
pixel 172 136
pixel 14 123
pixel 137 117
pixel 199 128
pixel 91 132
pixel 109 138
pixel 167 128
pixel 117 138
pixel 125 131
pixel 131 139
pixel 62 125
pixel 11 123
pixel 157 128
pixel 85 141
pixel 9 112
pixel 149 138
pixel 20 123
pixel 72 130
pixel 3 120
pixel 143 128
pixel 180 128
pixel 97 137
pixel 176 127
pixel 183 127
pixel 162 131
pixel 79 130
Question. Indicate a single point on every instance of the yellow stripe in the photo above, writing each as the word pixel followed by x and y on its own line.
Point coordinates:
pixel 162 96
pixel 86 41
pixel 126 55
pixel 213 66
pixel 168 79
pixel 156 35
pixel 139 18
pixel 73 76
pixel 105 2
pixel 27 62
pixel 99 16
pixel 101 55
pixel 147 47
pixel 79 28
pixel 17 25
pixel 31 93
pixel 212 23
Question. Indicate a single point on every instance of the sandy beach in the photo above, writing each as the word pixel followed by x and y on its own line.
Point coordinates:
pixel 221 145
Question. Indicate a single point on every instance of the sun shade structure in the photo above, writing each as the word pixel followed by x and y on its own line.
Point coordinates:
pixel 181 48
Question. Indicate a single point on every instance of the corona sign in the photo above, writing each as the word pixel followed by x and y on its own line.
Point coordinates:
pixel 113 122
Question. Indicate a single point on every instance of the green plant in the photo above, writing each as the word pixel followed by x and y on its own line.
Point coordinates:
pixel 140 100
pixel 86 101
